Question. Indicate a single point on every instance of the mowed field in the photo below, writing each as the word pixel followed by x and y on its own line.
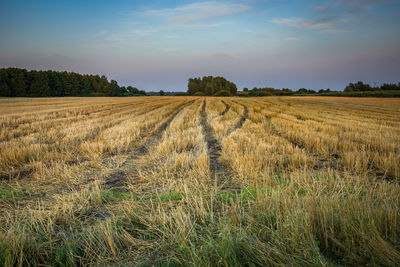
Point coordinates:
pixel 194 181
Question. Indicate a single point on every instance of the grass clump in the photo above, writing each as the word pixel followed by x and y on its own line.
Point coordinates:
pixel 114 196
pixel 8 192
pixel 170 196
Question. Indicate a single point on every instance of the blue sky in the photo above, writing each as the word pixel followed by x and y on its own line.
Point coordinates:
pixel 156 45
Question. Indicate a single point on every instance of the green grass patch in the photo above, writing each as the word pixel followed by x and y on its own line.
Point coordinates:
pixel 9 192
pixel 226 196
pixel 114 196
pixel 249 193
pixel 170 196
pixel 246 194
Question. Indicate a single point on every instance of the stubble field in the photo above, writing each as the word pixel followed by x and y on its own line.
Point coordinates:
pixel 178 181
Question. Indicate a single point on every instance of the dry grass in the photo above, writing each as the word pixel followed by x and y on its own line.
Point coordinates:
pixel 127 181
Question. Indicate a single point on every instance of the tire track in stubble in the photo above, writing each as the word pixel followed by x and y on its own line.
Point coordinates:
pixel 242 120
pixel 118 177
pixel 213 146
pixel 321 161
pixel 27 172
pixel 116 180
pixel 227 108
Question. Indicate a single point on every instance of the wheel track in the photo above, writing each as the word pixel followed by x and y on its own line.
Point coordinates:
pixel 213 146
pixel 227 108
pixel 117 177
pixel 116 180
pixel 242 120
pixel 331 162
pixel 321 162
pixel 25 173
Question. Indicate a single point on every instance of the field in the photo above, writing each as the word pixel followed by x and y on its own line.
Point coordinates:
pixel 180 181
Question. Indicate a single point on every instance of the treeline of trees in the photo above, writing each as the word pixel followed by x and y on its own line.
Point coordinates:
pixel 358 89
pixel 269 91
pixel 211 86
pixel 362 87
pixel 16 82
pixel 380 93
pixel 166 93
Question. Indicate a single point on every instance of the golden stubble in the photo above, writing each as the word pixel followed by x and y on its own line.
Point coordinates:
pixel 303 181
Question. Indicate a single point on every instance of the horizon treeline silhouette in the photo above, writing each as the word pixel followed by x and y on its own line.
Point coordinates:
pixel 15 82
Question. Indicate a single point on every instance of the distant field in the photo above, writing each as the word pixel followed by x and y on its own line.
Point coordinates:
pixel 200 181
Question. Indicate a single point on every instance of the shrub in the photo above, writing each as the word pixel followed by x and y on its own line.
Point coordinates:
pixel 223 93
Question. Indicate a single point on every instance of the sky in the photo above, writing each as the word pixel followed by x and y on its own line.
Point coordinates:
pixel 159 45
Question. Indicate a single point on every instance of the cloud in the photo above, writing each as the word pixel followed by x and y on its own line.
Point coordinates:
pixel 261 34
pixel 334 31
pixel 322 10
pixel 126 36
pixel 292 38
pixel 348 7
pixel 222 55
pixel 358 6
pixel 143 32
pixel 331 16
pixel 198 25
pixel 302 23
pixel 218 56
pixel 196 12
pixel 361 2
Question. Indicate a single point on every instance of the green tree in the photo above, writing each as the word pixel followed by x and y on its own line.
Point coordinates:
pixel 210 85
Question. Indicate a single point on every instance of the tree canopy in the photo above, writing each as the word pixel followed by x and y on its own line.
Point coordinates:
pixel 210 85
pixel 16 82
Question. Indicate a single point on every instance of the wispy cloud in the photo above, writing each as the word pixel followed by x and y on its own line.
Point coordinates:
pixel 220 56
pixel 360 4
pixel 346 7
pixel 144 32
pixel 292 38
pixel 127 35
pixel 197 25
pixel 302 23
pixel 196 12
pixel 324 25
pixel 322 10
pixel 261 34
pixel 329 18
pixel 223 55
pixel 334 31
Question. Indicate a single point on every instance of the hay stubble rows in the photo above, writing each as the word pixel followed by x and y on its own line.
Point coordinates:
pixel 199 181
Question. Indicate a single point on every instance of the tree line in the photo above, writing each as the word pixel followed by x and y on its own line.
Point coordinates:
pixel 219 86
pixel 269 91
pixel 362 87
pixel 358 89
pixel 15 82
